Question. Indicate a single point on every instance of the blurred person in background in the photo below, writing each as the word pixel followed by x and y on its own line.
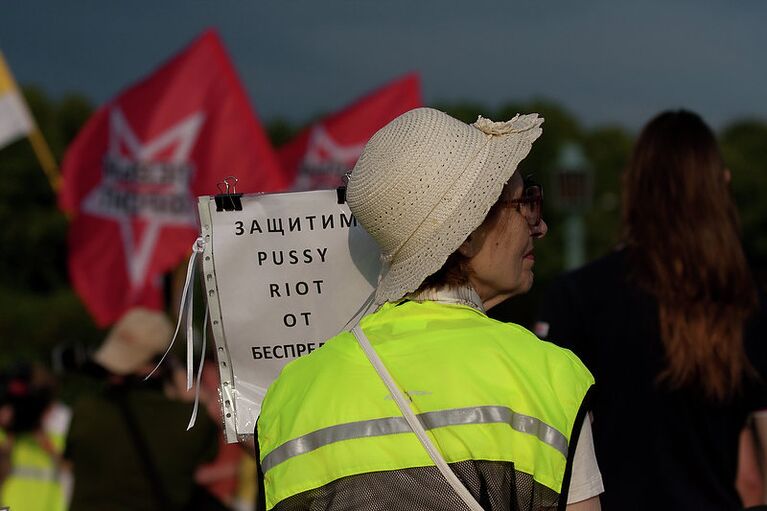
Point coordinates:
pixel 456 225
pixel 32 473
pixel 221 476
pixel 672 327
pixel 128 442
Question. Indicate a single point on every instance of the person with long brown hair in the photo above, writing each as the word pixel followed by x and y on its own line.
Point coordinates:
pixel 671 326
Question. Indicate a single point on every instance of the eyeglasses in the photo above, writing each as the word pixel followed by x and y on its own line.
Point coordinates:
pixel 530 204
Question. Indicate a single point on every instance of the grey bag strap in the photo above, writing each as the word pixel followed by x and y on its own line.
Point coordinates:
pixel 413 421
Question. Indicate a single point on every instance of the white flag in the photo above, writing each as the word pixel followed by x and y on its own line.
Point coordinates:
pixel 15 119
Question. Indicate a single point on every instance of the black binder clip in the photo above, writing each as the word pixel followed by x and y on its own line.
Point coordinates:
pixel 228 199
pixel 341 190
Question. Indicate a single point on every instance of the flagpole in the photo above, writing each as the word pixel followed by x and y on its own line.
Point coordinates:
pixel 45 157
pixel 35 136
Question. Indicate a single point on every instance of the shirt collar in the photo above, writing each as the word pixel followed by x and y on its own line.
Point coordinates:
pixel 463 295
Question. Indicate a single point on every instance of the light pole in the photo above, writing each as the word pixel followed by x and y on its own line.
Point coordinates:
pixel 573 190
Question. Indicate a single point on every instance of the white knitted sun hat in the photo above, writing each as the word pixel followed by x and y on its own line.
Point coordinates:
pixel 425 181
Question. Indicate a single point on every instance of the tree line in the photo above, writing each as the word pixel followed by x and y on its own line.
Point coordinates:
pixel 40 311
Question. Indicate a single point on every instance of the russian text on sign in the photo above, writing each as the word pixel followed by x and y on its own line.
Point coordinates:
pixel 294 224
pixel 279 351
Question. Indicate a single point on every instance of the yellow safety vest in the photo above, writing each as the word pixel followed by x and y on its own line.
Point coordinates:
pixel 484 390
pixel 33 484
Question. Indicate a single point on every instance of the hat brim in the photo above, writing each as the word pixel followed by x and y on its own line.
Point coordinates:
pixel 429 247
pixel 122 359
pixel 134 340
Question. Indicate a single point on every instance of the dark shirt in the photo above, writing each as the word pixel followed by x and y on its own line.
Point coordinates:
pixel 657 448
pixel 108 470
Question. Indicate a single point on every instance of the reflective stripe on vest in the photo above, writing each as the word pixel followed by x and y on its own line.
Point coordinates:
pixel 485 390
pixel 430 420
pixel 35 473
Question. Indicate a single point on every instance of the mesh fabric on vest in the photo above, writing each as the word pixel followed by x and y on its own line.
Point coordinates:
pixel 497 486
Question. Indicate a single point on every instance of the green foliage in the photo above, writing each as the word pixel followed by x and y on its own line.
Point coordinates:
pixel 744 145
pixel 40 310
pixel 281 131
pixel 608 150
pixel 32 324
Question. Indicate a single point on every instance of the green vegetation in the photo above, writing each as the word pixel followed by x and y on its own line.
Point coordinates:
pixel 40 310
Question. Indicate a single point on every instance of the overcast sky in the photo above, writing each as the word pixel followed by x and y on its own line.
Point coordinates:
pixel 607 61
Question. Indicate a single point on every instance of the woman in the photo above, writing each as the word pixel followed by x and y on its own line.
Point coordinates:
pixel 456 226
pixel 662 323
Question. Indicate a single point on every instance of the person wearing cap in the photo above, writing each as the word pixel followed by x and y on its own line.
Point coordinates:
pixel 504 410
pixel 129 443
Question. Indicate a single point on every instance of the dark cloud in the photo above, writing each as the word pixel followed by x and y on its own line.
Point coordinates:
pixel 606 61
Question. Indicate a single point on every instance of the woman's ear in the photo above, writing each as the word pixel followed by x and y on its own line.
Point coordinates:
pixel 471 246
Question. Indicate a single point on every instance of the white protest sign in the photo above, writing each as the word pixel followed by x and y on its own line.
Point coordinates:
pixel 281 276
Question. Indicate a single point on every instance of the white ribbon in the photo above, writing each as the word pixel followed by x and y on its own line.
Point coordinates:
pixel 186 308
pixel 189 286
pixel 193 419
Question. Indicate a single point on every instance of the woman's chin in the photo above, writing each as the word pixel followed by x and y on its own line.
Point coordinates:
pixel 528 279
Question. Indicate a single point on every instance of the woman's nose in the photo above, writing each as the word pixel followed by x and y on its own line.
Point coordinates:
pixel 540 230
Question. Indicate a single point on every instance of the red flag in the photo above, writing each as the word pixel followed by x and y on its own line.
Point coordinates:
pixel 321 153
pixel 132 174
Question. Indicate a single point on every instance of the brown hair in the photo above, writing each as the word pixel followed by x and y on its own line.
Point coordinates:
pixel 683 237
pixel 456 270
